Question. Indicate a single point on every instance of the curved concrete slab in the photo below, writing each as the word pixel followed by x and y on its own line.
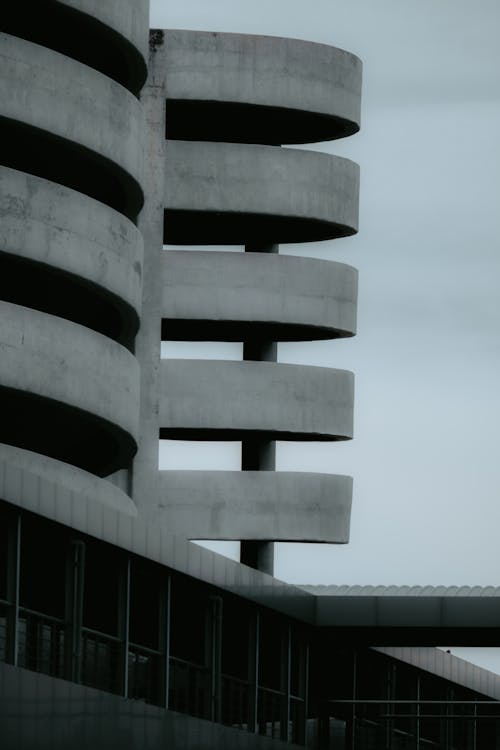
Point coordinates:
pixel 257 505
pixel 129 18
pixel 85 386
pixel 221 296
pixel 233 193
pixel 78 108
pixel 258 89
pixel 219 400
pixel 25 475
pixel 74 256
pixel 110 36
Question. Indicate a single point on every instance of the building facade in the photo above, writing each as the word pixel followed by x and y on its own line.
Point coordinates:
pixel 115 630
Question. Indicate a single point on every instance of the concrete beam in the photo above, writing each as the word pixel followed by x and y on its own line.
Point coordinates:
pixel 228 400
pixel 237 194
pixel 221 296
pixel 270 90
pixel 256 505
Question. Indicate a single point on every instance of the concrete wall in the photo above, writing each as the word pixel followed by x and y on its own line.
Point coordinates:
pixel 239 294
pixel 43 713
pixel 286 195
pixel 284 401
pixel 50 366
pixel 129 18
pixel 317 87
pixel 56 227
pixel 43 89
pixel 24 473
pixel 264 505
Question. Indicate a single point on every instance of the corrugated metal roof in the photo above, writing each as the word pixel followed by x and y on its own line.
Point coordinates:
pixel 443 591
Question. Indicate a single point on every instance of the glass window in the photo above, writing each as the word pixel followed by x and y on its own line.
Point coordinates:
pixel 146 590
pixel 101 588
pixel 271 643
pixel 188 621
pixel 236 623
pixel 44 549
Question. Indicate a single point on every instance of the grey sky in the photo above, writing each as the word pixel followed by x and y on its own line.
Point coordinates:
pixel 426 506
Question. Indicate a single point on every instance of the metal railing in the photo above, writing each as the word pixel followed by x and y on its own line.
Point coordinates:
pixel 145 669
pixel 41 643
pixel 189 688
pixel 271 710
pixel 4 614
pixel 101 657
pixel 297 724
pixel 423 724
pixel 235 702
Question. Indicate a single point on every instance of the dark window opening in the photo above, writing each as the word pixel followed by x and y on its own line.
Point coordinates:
pixel 147 632
pixel 103 610
pixel 42 627
pixel 237 664
pixel 43 567
pixel 190 675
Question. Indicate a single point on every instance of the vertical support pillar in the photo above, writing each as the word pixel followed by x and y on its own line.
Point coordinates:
pixel 124 623
pixel 74 608
pixel 304 682
pixel 216 613
pixel 351 725
pixel 258 454
pixel 145 475
pixel 165 639
pixel 286 664
pixel 253 673
pixel 417 716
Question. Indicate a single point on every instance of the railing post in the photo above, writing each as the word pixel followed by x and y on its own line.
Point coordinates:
pixel 253 673
pixel 285 683
pixel 13 582
pixel 124 623
pixel 165 615
pixel 74 609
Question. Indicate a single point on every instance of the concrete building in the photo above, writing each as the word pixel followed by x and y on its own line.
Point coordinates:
pixel 115 630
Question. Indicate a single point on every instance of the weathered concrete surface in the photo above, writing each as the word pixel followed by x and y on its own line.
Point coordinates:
pixel 280 194
pixel 38 712
pixel 47 90
pixel 235 295
pixel 319 82
pixel 144 473
pixel 51 361
pixel 130 18
pixel 223 400
pixel 257 505
pixel 24 473
pixel 50 224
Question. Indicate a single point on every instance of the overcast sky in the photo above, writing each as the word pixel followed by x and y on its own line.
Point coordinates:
pixel 425 458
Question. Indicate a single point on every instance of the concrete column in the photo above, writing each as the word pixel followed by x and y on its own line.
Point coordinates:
pixel 145 476
pixel 259 455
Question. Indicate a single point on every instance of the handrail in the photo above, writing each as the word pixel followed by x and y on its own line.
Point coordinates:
pixel 43 616
pixel 145 649
pixel 105 636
